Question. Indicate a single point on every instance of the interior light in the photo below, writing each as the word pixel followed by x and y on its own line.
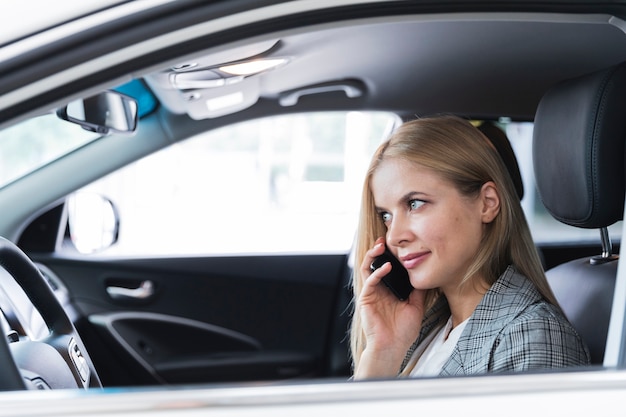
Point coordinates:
pixel 222 102
pixel 253 67
pixel 193 80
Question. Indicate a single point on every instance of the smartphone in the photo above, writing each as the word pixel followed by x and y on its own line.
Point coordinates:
pixel 398 279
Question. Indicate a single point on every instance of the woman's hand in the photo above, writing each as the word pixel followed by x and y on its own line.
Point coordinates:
pixel 390 325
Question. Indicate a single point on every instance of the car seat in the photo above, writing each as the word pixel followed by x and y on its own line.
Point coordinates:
pixel 502 144
pixel 578 156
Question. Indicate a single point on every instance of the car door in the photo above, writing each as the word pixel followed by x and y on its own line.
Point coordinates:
pixel 232 256
pixel 205 319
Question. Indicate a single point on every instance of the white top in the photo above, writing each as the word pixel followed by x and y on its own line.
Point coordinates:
pixel 438 350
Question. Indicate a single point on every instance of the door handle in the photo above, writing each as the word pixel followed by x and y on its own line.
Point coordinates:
pixel 144 291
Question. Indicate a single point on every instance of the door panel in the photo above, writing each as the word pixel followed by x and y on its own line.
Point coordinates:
pixel 237 318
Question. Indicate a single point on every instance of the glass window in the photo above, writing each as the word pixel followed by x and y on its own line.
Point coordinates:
pixel 33 143
pixel 282 184
pixel 36 142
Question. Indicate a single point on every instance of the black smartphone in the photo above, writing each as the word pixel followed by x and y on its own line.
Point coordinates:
pixel 398 279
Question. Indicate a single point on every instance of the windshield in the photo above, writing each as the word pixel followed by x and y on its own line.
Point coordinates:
pixel 33 143
pixel 36 142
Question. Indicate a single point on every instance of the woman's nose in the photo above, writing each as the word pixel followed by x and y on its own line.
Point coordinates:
pixel 398 231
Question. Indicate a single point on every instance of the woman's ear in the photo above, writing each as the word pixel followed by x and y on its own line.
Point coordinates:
pixel 490 199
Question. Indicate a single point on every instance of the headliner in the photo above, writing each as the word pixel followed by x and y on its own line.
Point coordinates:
pixel 480 65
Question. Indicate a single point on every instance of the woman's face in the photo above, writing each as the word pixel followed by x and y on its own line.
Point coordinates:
pixel 433 229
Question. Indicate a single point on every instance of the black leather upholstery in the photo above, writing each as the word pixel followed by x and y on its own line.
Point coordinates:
pixel 578 152
pixel 578 149
pixel 502 144
pixel 585 292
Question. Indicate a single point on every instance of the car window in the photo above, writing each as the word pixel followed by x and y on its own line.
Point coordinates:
pixel 274 185
pixel 36 142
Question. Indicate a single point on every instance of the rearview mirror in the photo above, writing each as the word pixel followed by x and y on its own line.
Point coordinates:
pixel 103 113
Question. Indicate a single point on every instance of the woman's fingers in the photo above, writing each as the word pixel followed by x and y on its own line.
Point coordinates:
pixel 373 277
pixel 377 275
pixel 377 250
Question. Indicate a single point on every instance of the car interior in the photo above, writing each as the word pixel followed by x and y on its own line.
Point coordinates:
pixel 178 319
pixel 580 178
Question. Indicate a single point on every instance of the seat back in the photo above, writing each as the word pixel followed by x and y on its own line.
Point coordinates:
pixel 502 144
pixel 578 155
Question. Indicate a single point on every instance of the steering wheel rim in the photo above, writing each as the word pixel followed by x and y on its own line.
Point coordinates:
pixel 63 337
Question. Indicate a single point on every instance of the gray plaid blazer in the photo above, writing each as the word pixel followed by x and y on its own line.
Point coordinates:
pixel 512 329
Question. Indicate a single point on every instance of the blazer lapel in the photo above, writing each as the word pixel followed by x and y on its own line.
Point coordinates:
pixel 506 298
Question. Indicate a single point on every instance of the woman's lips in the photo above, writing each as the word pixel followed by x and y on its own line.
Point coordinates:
pixel 414 259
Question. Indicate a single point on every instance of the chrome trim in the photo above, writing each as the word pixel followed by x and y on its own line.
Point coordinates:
pixel 144 291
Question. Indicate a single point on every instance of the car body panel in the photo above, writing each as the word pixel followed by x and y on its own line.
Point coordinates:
pixel 571 393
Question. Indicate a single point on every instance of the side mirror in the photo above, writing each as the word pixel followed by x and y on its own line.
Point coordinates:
pixel 103 113
pixel 93 222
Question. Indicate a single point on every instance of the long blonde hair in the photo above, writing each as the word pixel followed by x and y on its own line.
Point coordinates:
pixel 458 152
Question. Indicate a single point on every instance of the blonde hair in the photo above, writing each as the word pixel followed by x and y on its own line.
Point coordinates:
pixel 458 152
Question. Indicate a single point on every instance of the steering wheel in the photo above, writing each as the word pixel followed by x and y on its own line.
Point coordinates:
pixel 58 360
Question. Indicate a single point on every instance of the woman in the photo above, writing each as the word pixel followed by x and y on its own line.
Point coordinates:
pixel 439 197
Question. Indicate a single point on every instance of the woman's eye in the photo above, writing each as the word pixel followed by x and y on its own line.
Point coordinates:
pixel 386 217
pixel 415 204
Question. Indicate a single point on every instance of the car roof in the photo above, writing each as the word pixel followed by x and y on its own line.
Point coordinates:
pixel 482 65
pixel 413 58
pixel 43 15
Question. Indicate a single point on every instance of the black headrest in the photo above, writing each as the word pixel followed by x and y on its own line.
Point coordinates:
pixel 502 144
pixel 578 148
